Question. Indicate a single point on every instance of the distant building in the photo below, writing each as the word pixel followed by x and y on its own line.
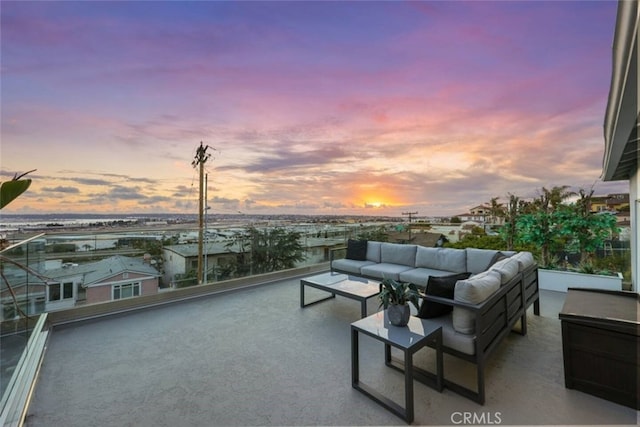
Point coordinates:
pixel 112 278
pixel 610 203
pixel 182 259
pixel 482 215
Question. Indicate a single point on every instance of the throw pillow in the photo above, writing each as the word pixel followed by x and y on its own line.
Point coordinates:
pixel 499 256
pixel 440 286
pixel 357 250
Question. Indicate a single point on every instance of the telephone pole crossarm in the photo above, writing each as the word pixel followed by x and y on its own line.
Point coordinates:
pixel 410 215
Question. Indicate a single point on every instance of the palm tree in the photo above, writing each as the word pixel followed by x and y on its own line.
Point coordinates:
pixel 514 206
pixel 496 210
pixel 549 200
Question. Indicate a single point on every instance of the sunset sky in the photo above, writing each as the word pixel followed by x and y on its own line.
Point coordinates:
pixel 372 108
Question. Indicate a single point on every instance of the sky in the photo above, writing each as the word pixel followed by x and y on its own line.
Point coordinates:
pixel 318 108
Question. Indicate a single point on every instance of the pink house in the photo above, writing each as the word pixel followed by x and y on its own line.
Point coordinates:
pixel 110 279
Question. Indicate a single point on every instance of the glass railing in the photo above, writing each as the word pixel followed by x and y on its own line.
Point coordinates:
pixel 22 298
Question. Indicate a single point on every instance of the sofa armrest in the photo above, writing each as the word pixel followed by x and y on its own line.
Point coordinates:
pixel 476 308
pixel 452 303
pixel 333 251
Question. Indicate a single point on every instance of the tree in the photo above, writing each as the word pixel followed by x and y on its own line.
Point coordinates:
pixel 508 229
pixel 585 231
pixel 10 190
pixel 539 226
pixel 275 249
pixel 496 210
pixel 378 235
pixel 262 251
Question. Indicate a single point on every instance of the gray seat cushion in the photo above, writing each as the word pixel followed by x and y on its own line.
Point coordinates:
pixel 384 270
pixel 464 343
pixel 420 276
pixel 350 265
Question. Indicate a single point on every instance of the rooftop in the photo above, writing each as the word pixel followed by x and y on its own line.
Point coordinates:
pixel 253 357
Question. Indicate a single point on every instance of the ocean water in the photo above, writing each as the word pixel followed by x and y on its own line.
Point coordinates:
pixel 29 221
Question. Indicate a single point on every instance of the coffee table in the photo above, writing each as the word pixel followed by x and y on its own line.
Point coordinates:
pixel 353 287
pixel 411 338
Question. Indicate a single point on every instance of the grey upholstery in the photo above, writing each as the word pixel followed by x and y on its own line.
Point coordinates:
pixel 446 259
pixel 420 276
pixel 384 270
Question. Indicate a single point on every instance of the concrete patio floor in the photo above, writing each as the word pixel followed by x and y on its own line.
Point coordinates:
pixel 253 357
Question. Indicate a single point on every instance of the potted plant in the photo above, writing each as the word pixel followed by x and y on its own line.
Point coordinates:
pixel 395 297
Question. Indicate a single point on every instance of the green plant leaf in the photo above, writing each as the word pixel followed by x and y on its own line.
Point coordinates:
pixel 10 190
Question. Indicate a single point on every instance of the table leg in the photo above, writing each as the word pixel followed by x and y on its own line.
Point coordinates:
pixel 408 385
pixel 355 355
pixel 439 358
pixel 302 302
pixel 387 355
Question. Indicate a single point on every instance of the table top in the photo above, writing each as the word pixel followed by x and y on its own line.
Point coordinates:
pixel 379 326
pixel 348 284
pixel 607 307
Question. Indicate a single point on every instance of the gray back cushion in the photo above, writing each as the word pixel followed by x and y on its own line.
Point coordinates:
pixel 373 251
pixel 478 260
pixel 473 291
pixel 447 259
pixel 508 269
pixel 525 259
pixel 395 253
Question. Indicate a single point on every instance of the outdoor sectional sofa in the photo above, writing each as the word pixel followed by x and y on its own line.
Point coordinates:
pixel 487 292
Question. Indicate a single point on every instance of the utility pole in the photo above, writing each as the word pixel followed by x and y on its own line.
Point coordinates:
pixel 199 161
pixel 206 236
pixel 410 214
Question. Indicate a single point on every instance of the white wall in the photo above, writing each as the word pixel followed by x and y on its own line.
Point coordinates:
pixel 173 264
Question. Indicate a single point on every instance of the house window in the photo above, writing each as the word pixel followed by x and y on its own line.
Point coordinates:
pixel 60 291
pixel 54 292
pixel 127 290
pixel 67 290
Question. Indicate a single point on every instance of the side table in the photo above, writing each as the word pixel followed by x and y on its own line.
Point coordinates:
pixel 601 344
pixel 411 338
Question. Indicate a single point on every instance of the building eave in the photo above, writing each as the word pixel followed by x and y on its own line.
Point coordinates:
pixel 620 160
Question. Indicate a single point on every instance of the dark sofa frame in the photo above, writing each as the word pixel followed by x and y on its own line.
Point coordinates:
pixel 494 319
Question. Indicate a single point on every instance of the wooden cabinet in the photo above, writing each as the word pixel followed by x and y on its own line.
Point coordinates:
pixel 601 345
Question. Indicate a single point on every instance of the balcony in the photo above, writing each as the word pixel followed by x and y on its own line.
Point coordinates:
pixel 252 356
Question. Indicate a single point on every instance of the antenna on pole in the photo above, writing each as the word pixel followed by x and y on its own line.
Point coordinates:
pixel 199 161
pixel 410 214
